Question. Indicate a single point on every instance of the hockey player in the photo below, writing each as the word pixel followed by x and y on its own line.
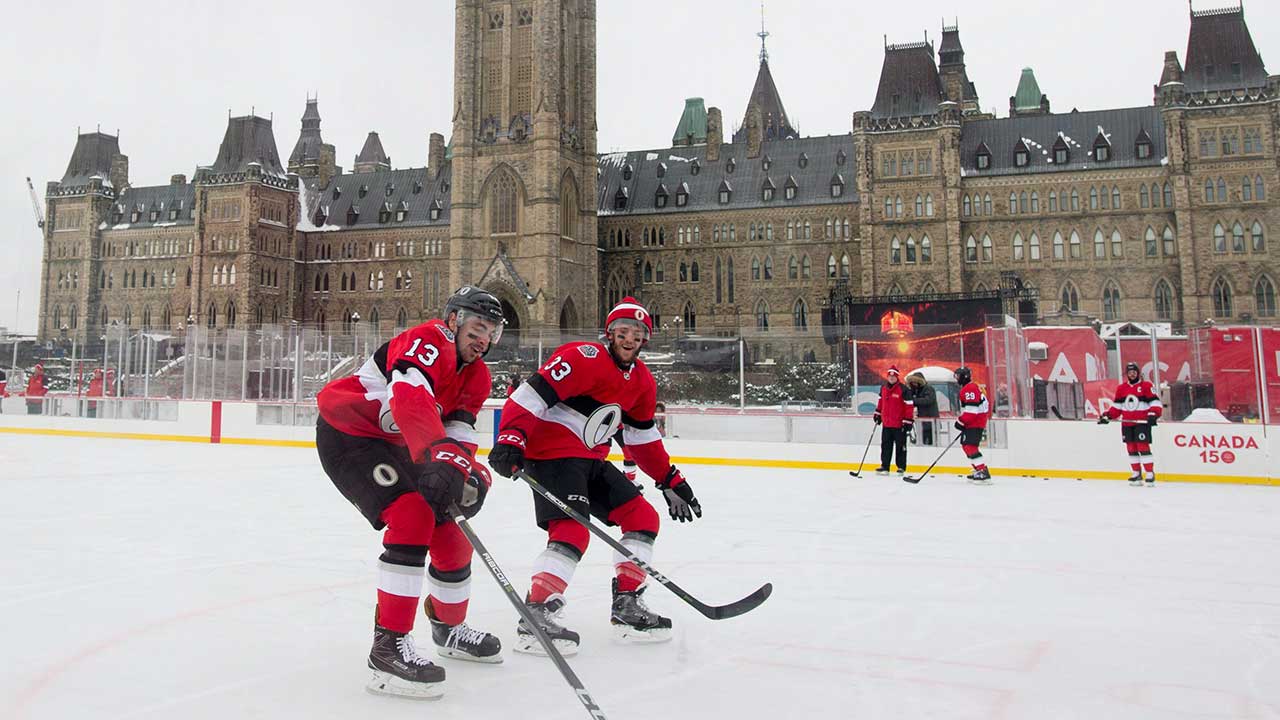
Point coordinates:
pixel 972 423
pixel 558 426
pixel 36 390
pixel 894 416
pixel 95 390
pixel 1137 406
pixel 398 440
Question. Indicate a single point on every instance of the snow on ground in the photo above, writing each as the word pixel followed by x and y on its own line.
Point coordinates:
pixel 151 581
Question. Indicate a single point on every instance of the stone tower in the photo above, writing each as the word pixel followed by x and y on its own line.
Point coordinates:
pixel 523 220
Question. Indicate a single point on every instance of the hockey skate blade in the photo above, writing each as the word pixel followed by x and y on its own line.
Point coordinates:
pixel 628 634
pixel 529 645
pixel 460 655
pixel 387 684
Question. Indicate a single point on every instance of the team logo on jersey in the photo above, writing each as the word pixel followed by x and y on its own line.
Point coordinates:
pixel 1130 403
pixel 388 423
pixel 385 475
pixel 601 425
pixel 448 334
pixel 589 351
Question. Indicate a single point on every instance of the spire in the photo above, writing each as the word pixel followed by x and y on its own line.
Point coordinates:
pixel 765 98
pixel 309 141
pixel 1220 52
pixel 763 34
pixel 248 140
pixel 372 157
pixel 1028 100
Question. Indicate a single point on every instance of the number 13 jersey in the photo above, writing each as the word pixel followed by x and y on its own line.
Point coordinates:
pixel 411 393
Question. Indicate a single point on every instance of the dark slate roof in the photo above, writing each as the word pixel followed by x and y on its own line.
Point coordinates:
pixel 1220 38
pixel 402 184
pixel 248 139
pixel 309 141
pixel 909 75
pixel 777 126
pixel 92 156
pixel 156 197
pixel 813 181
pixel 1078 131
pixel 951 50
pixel 372 151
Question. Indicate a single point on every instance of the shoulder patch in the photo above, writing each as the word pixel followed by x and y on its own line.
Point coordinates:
pixel 589 351
pixel 447 333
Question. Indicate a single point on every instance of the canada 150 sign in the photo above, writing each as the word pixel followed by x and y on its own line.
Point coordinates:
pixel 1216 449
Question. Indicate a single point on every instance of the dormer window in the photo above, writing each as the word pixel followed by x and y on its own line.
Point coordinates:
pixel 322 216
pixel 660 197
pixel 435 211
pixel 1021 155
pixel 364 190
pixel 982 160
pixel 662 169
pixel 135 216
pixel 155 214
pixel 1101 148
pixel 1142 147
pixel 620 199
pixel 384 215
pixel 695 167
pixel 337 192
pixel 417 187
pixel 173 214
pixel 731 166
pixel 767 190
pixel 627 172
pixel 790 189
pixel 768 163
pixel 726 192
pixel 1061 153
pixel 837 185
pixel 353 215
pixel 402 211
pixel 841 157
pixel 804 160
pixel 391 189
pixel 682 195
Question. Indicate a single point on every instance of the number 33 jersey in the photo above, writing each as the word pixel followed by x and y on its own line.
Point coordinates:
pixel 575 404
pixel 411 393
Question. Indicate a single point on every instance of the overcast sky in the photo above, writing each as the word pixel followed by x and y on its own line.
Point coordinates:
pixel 166 73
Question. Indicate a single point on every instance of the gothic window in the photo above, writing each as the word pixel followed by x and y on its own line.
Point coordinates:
pixel 793 268
pixel 1013 203
pixel 768 267
pixel 1033 244
pixel 926 250
pixel 1246 189
pixel 231 314
pixel 1219 238
pixel 1259 189
pixel 897 206
pixel 986 204
pixel 928 205
pixel 1035 201
pixel 683 272
pixel 1149 244
pixel 800 315
pixel 1075 200
pixel 1222 190
pixel 1022 202
pixel 729 279
pixel 496 20
pixel 1259 238
pixel 1264 297
pixel 1144 197
pixel 1115 197
pixel 806 268
pixel 987 254
pixel 1053 201
pixel 911 250
pixel 1168 196
pixel 888 207
pixel 895 252
pixel 971 250
pixel 503 198
pixel 1018 247
pixel 844 266
pixel 831 266
pixel 1099 245
pixel 1069 301
pixel 919 206
pixel 1093 198
pixel 762 316
pixel 719 283
pixel 659 274
pixel 1164 300
pixel 1111 302
pixel 1117 244
pixel 1076 250
pixel 1222 298
pixel 1059 247
pixel 968 206
pixel 694 275
pixel 690 318
pixel 1237 238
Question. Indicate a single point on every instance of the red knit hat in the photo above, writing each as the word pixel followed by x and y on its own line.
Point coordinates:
pixel 630 309
pixel 893 370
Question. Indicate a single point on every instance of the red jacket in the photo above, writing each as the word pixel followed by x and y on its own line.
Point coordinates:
pixel 894 407
pixel 974 408
pixel 95 386
pixel 36 386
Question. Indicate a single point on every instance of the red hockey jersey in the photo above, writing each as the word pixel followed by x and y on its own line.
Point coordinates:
pixel 974 408
pixel 575 404
pixel 1135 402
pixel 411 393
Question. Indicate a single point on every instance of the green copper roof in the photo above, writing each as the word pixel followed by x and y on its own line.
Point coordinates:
pixel 1028 95
pixel 692 122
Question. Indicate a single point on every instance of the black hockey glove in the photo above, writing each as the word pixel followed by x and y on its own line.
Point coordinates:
pixel 1151 420
pixel 474 491
pixel 876 418
pixel 681 503
pixel 507 455
pixel 908 426
pixel 448 467
pixel 1104 420
pixel 960 426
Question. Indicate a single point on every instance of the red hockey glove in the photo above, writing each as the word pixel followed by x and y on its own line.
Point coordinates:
pixel 681 503
pixel 449 466
pixel 507 455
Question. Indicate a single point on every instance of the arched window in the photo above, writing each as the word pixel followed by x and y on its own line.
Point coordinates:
pixel 719 281
pixel 128 316
pixel 1219 238
pixel 762 316
pixel 693 272
pixel 231 314
pixel 793 268
pixel 320 319
pixel 1246 189
pixel 1144 197
pixel 1168 196
pixel 1237 238
pixel 1170 242
pixel 1099 245
pixel 1222 298
pixel 1018 247
pixel 895 252
pixel 1222 190
pixel 1117 244
pixel 988 250
pixel 1259 189
pixel 690 317
pixel 1164 300
pixel 1149 243
pixel 844 266
pixel 968 206
pixel 1022 202
pixel 1259 238
pixel 926 250
pixel 1035 201
pixel 1208 190
pixel 971 250
pixel 1075 200
pixel 211 319
pixel 1076 251
pixel 1264 297
pixel 768 267
pixel 831 266
pixel 1053 201
pixel 888 207
pixel 897 206
pixel 1111 302
pixel 919 206
pixel 648 271
pixel 659 274
pixel 986 204
pixel 1115 197
pixel 325 284
pixel 402 318
pixel 1013 203
pixel 1059 248
pixel 382 281
pixel 755 268
pixel 568 209
pixel 806 268
pixel 729 279
pixel 503 199
pixel 1070 299
pixel 1093 198
pixel 911 250
pixel 682 272
pixel 928 205
pixel 800 315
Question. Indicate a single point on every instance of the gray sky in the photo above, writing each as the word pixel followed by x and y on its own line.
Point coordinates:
pixel 165 74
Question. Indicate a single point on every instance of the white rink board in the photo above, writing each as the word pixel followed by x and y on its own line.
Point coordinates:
pixel 150 580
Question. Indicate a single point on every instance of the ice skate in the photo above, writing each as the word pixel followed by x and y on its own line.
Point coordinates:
pixel 463 642
pixel 981 477
pixel 635 622
pixel 1135 480
pixel 399 670
pixel 544 613
pixel 882 470
pixel 1151 480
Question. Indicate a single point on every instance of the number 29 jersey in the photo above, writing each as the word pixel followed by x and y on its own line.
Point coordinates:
pixel 411 392
pixel 575 404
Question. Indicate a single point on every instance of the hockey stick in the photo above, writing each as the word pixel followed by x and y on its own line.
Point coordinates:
pixel 863 461
pixel 715 612
pixel 563 666
pixel 915 480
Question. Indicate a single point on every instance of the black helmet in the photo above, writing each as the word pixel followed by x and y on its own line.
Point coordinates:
pixel 1132 366
pixel 964 375
pixel 471 300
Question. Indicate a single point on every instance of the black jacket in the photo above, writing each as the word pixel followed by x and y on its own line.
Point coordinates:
pixel 926 401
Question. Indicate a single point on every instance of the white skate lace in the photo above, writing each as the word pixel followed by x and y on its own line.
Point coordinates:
pixel 462 633
pixel 409 653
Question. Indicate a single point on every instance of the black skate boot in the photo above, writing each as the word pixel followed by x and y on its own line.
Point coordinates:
pixel 1135 479
pixel 981 477
pixel 633 621
pixel 544 613
pixel 1151 480
pixel 463 642
pixel 399 670
pixel 882 470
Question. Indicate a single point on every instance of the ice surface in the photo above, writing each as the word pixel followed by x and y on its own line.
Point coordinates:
pixel 153 580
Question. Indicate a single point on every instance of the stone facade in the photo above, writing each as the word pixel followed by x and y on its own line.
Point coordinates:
pixel 1160 211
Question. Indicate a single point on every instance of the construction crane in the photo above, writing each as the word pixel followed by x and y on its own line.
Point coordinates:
pixel 35 205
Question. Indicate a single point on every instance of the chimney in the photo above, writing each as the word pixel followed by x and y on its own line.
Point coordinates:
pixel 1172 68
pixel 715 134
pixel 435 154
pixel 755 132
pixel 178 179
pixel 120 172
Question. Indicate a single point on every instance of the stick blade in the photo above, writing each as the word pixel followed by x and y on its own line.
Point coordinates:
pixel 912 480
pixel 741 607
pixel 855 474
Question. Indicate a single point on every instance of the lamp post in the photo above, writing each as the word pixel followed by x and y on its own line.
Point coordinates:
pixel 677 321
pixel 355 331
